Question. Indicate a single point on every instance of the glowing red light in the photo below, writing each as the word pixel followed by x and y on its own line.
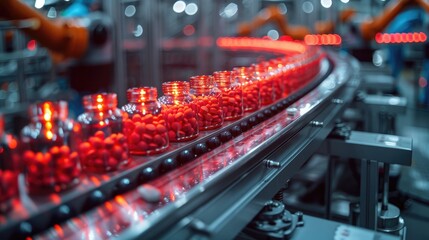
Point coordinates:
pixel 121 200
pixel 188 30
pixel 337 39
pixel 423 82
pixel 311 40
pixel 259 44
pixel 379 38
pixel 410 37
pixel 423 37
pixel 32 45
pixel 55 198
pixel 385 38
pixel 416 37
pixel 403 37
pixel 396 37
pixel 322 39
pixel 59 230
pixel 285 38
pixel 331 39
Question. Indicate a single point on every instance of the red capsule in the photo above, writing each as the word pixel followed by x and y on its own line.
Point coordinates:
pixel 148 119
pixel 134 138
pixel 147 137
pixel 142 145
pixel 116 151
pixel 175 126
pixel 150 128
pixel 99 134
pixel 96 142
pixel 108 143
pixel 178 116
pixel 140 128
pixel 160 128
pixel 136 118
pixel 189 113
pixel 84 147
pixel 112 163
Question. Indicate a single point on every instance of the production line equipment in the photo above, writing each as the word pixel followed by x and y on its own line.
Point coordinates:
pixel 220 185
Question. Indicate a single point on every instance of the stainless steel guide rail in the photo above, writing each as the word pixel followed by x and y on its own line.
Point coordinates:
pixel 216 194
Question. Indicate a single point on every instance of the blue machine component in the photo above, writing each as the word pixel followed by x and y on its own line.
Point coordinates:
pixel 403 23
pixel 79 8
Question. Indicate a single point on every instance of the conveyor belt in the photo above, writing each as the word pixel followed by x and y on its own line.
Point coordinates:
pixel 216 194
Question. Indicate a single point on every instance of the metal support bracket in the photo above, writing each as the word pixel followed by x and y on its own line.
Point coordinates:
pixel 381 83
pixel 376 105
pixel 379 147
pixel 371 148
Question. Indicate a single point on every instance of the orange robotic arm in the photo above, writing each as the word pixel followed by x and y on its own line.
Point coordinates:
pixel 370 28
pixel 273 14
pixel 65 39
pixel 423 4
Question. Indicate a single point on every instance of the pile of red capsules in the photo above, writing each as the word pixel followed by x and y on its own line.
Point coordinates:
pixel 8 169
pixel 146 133
pixel 103 153
pixel 56 168
pixel 104 136
pixel 182 122
pixel 8 189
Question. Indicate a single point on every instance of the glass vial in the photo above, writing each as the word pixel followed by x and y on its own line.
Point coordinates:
pixel 251 87
pixel 180 111
pixel 104 147
pixel 9 169
pixel 145 128
pixel 232 95
pixel 275 72
pixel 208 99
pixel 260 72
pixel 50 142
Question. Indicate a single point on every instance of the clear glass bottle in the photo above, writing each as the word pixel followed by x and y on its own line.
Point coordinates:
pixel 251 88
pixel 286 76
pixel 266 83
pixel 145 127
pixel 294 79
pixel 9 168
pixel 104 147
pixel 208 99
pixel 180 111
pixel 50 142
pixel 232 94
pixel 275 72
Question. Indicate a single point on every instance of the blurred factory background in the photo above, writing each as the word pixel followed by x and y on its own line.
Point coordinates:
pixel 133 43
pixel 142 42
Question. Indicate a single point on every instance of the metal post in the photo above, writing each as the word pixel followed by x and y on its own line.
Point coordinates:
pixel 113 8
pixel 385 202
pixel 22 89
pixel 204 29
pixel 328 186
pixel 218 56
pixel 152 61
pixel 368 198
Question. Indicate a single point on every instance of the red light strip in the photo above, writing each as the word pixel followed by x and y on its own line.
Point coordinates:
pixel 322 39
pixel 414 37
pixel 257 44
